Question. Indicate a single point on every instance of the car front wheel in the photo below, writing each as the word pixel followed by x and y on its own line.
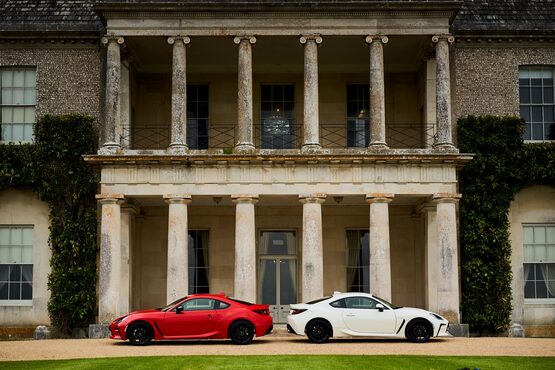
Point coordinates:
pixel 140 334
pixel 419 331
pixel 318 331
pixel 241 332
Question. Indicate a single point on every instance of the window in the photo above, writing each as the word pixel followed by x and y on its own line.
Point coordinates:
pixel 197 116
pixel 358 103
pixel 278 117
pixel 358 260
pixel 199 304
pixel 16 264
pixel 198 262
pixel 539 261
pixel 18 101
pixel 536 102
pixel 360 303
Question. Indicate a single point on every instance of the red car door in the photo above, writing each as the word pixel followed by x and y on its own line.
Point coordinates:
pixel 198 319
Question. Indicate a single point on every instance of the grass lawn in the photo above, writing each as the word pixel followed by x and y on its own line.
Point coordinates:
pixel 292 362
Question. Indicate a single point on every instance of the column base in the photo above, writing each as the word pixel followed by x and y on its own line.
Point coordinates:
pixel 377 146
pixel 99 331
pixel 244 148
pixel 458 330
pixel 178 149
pixel 311 148
pixel 109 148
pixel 445 148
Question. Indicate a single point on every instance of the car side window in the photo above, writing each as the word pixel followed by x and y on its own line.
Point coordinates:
pixel 219 305
pixel 199 304
pixel 338 304
pixel 360 303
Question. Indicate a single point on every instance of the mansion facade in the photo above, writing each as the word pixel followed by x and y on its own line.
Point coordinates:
pixel 274 151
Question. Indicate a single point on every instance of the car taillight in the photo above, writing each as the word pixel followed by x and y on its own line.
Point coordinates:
pixel 297 311
pixel 262 312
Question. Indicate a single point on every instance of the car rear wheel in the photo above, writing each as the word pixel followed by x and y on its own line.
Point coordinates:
pixel 419 331
pixel 241 332
pixel 140 334
pixel 318 331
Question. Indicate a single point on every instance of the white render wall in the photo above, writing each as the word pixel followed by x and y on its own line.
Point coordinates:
pixel 535 204
pixel 22 207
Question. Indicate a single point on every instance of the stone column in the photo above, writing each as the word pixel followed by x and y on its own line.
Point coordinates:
pixel 444 135
pixel 380 259
pixel 128 213
pixel 428 211
pixel 178 237
pixel 178 140
pixel 245 143
pixel 448 269
pixel 245 247
pixel 124 107
pixel 313 249
pixel 109 269
pixel 311 142
pixel 377 93
pixel 111 109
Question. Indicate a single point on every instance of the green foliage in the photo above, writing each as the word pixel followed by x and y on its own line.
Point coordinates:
pixel 54 169
pixel 502 165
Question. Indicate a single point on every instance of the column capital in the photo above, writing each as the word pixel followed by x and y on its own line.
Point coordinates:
pixel 110 198
pixel 311 37
pixel 251 39
pixel 244 198
pixel 447 37
pixel 446 197
pixel 426 207
pixel 177 198
pixel 131 209
pixel 312 198
pixel 112 38
pixel 379 198
pixel 371 38
pixel 173 39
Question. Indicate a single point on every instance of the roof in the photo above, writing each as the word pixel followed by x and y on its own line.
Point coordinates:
pixel 81 16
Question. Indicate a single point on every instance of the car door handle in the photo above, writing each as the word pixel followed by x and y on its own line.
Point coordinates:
pixel 209 316
pixel 350 315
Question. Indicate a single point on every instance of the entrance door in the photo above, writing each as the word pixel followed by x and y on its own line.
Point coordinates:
pixel 277 272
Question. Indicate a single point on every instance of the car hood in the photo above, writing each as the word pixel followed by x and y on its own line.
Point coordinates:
pixel 413 311
pixel 144 311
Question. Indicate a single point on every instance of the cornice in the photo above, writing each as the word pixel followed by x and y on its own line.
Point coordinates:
pixel 493 40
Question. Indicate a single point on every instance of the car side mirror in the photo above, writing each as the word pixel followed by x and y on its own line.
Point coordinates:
pixel 178 309
pixel 380 307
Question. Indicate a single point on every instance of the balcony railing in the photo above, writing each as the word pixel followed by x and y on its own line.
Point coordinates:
pixel 223 137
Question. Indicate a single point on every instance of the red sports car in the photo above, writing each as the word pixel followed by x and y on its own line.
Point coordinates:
pixel 197 316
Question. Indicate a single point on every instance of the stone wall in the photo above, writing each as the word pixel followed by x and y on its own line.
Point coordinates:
pixel 485 78
pixel 69 77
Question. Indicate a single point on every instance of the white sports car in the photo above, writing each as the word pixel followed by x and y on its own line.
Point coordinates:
pixel 362 315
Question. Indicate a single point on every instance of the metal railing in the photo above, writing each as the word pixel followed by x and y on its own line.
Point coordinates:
pixel 333 136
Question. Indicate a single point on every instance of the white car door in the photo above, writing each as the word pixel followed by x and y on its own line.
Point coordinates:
pixel 361 315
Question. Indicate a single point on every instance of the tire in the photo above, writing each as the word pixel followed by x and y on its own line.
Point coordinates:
pixel 318 331
pixel 140 334
pixel 241 332
pixel 419 331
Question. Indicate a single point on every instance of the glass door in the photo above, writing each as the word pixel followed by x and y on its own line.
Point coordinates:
pixel 278 272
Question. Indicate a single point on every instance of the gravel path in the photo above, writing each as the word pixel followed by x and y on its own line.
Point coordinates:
pixel 271 344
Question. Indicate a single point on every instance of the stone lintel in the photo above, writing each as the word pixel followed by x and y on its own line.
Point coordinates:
pixel 379 197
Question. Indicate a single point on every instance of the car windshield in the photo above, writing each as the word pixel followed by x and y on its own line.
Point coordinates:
pixel 164 309
pixel 318 300
pixel 386 302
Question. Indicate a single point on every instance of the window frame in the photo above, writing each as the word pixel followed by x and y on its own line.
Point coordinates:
pixel 362 102
pixel 530 104
pixel 286 114
pixel 193 121
pixel 192 268
pixel 534 300
pixel 360 266
pixel 14 68
pixel 20 302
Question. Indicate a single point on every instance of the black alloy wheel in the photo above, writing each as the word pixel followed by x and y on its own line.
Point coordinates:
pixel 140 334
pixel 419 331
pixel 318 331
pixel 241 332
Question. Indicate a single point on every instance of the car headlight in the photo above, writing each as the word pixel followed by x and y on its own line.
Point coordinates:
pixel 122 319
pixel 437 316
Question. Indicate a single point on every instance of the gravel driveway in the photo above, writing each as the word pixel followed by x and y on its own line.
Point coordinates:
pixel 273 344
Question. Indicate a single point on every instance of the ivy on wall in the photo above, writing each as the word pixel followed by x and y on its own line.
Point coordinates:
pixel 52 167
pixel 502 166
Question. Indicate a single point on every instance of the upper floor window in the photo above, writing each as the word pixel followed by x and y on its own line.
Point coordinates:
pixel 278 117
pixel 16 264
pixel 358 261
pixel 539 261
pixel 17 101
pixel 197 116
pixel 198 262
pixel 358 129
pixel 536 102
